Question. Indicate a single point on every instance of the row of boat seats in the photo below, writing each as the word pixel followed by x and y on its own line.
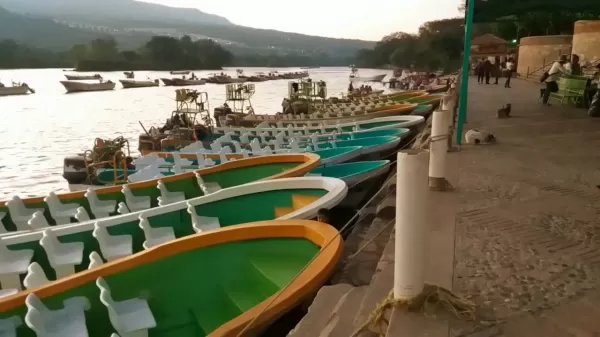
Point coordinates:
pixel 63 257
pixel 131 317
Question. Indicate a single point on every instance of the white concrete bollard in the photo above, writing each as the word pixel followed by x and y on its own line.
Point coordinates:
pixel 438 150
pixel 411 224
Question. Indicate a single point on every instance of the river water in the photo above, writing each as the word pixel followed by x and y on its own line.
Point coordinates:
pixel 37 131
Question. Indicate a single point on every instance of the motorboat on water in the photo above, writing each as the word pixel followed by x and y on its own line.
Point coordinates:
pixel 180 72
pixel 355 77
pixel 77 86
pixel 15 89
pixel 72 77
pixel 138 83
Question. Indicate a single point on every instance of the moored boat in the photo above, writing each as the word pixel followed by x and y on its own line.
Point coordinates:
pixel 20 89
pixel 179 72
pixel 103 202
pixel 180 82
pixel 167 81
pixel 138 83
pixel 83 77
pixel 75 86
pixel 376 78
pixel 362 179
pixel 221 283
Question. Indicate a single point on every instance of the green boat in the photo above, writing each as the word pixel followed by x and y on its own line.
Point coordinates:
pixel 362 178
pixel 432 99
pixel 374 148
pixel 382 123
pixel 233 282
pixel 61 209
pixel 120 236
pixel 338 155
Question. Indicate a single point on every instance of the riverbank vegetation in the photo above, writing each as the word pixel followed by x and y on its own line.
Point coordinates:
pixel 437 45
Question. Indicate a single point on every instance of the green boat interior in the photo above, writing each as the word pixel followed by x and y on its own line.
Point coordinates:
pixel 193 293
pixel 240 209
pixel 189 186
pixel 349 170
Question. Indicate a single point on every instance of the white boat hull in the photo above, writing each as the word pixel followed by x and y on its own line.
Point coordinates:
pixel 74 86
pixel 377 78
pixel 9 91
pixel 137 84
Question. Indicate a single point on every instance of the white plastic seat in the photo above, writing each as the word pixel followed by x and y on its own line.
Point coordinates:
pixel 168 197
pixel 38 221
pixel 134 202
pixel 66 322
pixel 149 160
pixel 122 208
pixel 82 215
pixel 99 208
pixel 8 326
pixel 112 247
pixel 180 163
pixel 62 256
pixel 20 214
pixel 203 161
pixel 223 155
pixel 60 212
pixel 13 263
pixel 207 187
pixel 131 317
pixel 147 173
pixel 95 260
pixel 36 277
pixel 202 223
pixel 155 236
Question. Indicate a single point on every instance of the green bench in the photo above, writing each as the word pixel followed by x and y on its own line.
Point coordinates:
pixel 570 89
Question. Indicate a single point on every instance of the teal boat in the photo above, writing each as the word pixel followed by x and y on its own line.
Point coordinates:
pixel 360 177
pixel 233 282
pixel 17 214
pixel 381 123
pixel 339 155
pixel 374 148
pixel 120 236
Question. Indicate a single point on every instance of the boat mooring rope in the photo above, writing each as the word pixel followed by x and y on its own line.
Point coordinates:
pixel 431 295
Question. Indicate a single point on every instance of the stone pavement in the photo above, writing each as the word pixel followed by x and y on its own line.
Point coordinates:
pixel 523 224
pixel 527 231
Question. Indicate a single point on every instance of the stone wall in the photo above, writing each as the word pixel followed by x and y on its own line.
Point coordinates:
pixel 535 50
pixel 586 41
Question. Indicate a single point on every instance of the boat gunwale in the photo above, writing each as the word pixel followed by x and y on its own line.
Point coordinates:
pixel 408 120
pixel 336 192
pixel 308 160
pixel 358 178
pixel 313 276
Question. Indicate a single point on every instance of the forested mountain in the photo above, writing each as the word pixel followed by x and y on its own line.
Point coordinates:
pixel 131 23
pixel 95 11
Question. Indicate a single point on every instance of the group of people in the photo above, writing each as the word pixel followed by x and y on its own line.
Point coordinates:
pixel 362 90
pixel 487 70
pixel 415 81
pixel 563 66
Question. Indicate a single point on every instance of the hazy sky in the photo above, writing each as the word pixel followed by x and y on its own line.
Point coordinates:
pixel 362 19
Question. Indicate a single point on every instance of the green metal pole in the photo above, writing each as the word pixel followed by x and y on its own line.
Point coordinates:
pixel 464 81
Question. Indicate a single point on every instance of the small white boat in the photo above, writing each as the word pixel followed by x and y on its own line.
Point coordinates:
pixel 83 77
pixel 138 84
pixel 22 89
pixel 74 86
pixel 376 78
pixel 183 82
pixel 180 72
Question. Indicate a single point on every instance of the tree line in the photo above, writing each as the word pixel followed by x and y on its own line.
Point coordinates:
pixel 159 53
pixel 437 45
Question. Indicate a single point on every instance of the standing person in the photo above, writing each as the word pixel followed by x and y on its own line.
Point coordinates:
pixel 557 69
pixel 479 71
pixel 510 65
pixel 487 69
pixel 497 68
